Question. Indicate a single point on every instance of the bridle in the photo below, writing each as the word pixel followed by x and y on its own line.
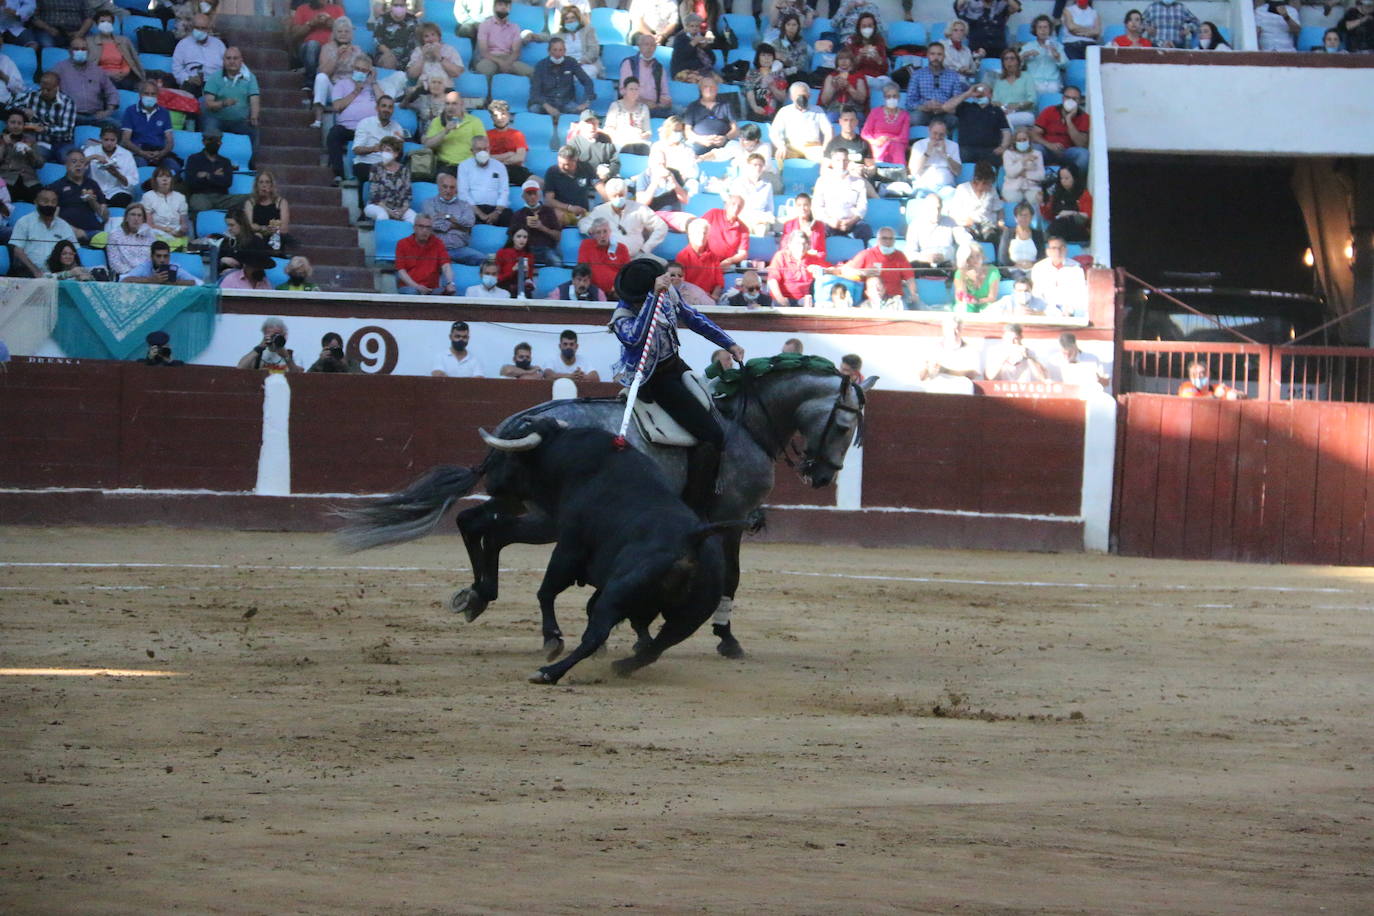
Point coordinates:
pixel 805 461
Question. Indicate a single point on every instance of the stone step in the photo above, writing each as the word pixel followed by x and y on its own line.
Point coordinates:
pixel 283 98
pixel 302 214
pixel 281 131
pixel 343 237
pixel 293 176
pixel 278 156
pixel 353 279
pixel 307 196
pixel 323 254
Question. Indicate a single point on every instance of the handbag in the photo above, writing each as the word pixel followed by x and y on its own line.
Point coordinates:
pixel 424 165
pixel 153 40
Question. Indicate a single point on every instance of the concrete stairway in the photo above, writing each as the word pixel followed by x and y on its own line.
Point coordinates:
pixel 293 153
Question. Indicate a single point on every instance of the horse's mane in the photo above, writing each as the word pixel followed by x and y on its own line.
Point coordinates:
pixel 729 382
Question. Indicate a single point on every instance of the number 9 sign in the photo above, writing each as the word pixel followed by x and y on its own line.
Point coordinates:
pixel 374 349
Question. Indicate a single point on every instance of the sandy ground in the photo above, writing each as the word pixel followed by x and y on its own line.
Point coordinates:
pixel 981 732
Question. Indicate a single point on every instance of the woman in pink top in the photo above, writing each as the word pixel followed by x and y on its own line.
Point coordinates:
pixel 888 127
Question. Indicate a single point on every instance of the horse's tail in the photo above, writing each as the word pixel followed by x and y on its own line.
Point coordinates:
pixel 410 514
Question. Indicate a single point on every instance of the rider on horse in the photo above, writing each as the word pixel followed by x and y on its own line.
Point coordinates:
pixel 664 367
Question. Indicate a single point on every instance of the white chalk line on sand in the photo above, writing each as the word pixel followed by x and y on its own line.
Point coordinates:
pixel 930 580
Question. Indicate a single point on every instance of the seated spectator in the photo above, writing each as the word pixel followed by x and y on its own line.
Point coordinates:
pixel 127 244
pixel 394 33
pixel 450 136
pixel 1170 23
pixel 554 85
pixel 579 41
pixel 431 59
pixel 709 121
pixel 935 160
pixel 65 264
pixel 79 199
pixel 700 265
pixel 1200 385
pixel 844 87
pixel 1135 32
pixel 650 72
pixel 522 365
pixel 1061 132
pixel 756 193
pixel 793 270
pixel 794 51
pixel 727 235
pixel 426 99
pixel 1277 26
pixel 159 353
pixel 542 223
pixel 930 238
pixel 1044 57
pixel 844 20
pixel 1014 91
pixel 355 98
pixel 299 279
pixel 661 187
pixel 470 14
pixel 851 367
pixel 267 214
pixel 876 298
pixel 983 130
pixel 842 195
pixel 197 56
pixel 764 89
pixel 1081 28
pixel 603 256
pixel 653 20
pixel 568 187
pixel 888 128
pixel 515 270
pixel 798 9
pixel 483 183
pixel 805 222
pixel 954 357
pixel 487 288
pixel 499 43
pixel 691 294
pixel 311 28
pixel 568 365
pixel 1021 245
pixel 158 269
pixel 1209 38
pixel 506 144
pixel 633 225
pixel 167 211
pixel 868 49
pixel 147 130
pixel 1331 43
pixel 1356 27
pixel 1024 169
pixel 628 121
pixel 81 79
pixel 1013 361
pixel 1060 281
pixel 271 353
pixel 53 113
pixel 452 219
pixel 422 263
pixel 231 99
pixel 738 151
pixel 693 51
pixel 391 193
pixel 115 54
pixel 238 239
pixel 976 284
pixel 840 297
pixel 959 54
pixel 799 131
pixel 251 275
pixel 749 293
pixel 975 207
pixel 1021 301
pixel 885 264
pixel 579 288
pixel 12 83
pixel 1073 366
pixel 456 361
pixel 368 137
pixel 336 63
pixel 931 87
pixel 1069 208
pixel 848 139
pixel 672 147
pixel 333 357
pixel 594 149
pixel 793 345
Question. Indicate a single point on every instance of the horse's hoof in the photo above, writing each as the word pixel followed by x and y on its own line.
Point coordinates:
pixel 467 602
pixel 624 667
pixel 553 648
pixel 642 643
pixel 729 647
pixel 542 677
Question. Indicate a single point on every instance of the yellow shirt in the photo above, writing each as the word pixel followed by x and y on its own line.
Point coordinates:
pixel 457 146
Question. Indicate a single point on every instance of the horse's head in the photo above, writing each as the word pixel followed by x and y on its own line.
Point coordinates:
pixel 828 423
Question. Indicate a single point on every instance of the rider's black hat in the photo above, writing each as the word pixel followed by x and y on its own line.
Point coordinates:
pixel 636 279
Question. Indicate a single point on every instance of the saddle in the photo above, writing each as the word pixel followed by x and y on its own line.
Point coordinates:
pixel 656 425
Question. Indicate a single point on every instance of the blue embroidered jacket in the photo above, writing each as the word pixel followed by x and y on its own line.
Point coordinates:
pixel 632 327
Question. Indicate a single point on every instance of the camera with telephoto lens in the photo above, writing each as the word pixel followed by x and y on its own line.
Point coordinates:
pixel 279 341
pixel 336 353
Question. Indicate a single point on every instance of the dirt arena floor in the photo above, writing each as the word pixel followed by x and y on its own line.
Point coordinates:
pixel 913 731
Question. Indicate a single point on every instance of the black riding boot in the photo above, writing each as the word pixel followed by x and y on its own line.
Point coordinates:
pixel 703 466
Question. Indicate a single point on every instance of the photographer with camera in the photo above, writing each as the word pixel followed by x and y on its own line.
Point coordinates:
pixel 159 353
pixel 272 353
pixel 332 356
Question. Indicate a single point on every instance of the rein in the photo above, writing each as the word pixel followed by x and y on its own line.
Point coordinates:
pixel 787 451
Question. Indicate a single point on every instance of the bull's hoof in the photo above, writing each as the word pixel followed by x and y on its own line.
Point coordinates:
pixel 542 677
pixel 642 643
pixel 467 602
pixel 728 646
pixel 553 647
pixel 625 667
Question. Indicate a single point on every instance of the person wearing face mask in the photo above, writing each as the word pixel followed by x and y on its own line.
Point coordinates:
pixel 799 131
pixel 1018 303
pixel 748 293
pixel 90 89
pixel 1081 27
pixel 367 140
pixel 208 176
pixel 884 263
pixel 1061 132
pixel 146 130
pixel 499 44
pixel 457 361
pixel 355 99
pixel 395 35
pixel 1200 385
pixel 1331 43
pixel 197 56
pixel 1169 24
pixel 483 183
pixel 453 221
pixel 298 280
pixel 888 128
pixel 580 40
pixel 983 129
pixel 522 365
pixel 230 103
pixel 488 288
pixel 390 184
pixel 1024 170
pixel 554 85
pixel 568 365
pixel 868 50
pixel 633 225
pixel 36 234
pixel 113 53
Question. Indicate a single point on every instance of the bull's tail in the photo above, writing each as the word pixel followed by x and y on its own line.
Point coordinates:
pixel 410 514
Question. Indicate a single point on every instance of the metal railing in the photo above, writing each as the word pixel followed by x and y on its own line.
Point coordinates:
pixel 1259 371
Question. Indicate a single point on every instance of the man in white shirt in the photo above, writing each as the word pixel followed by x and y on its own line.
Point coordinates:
pixel 656 18
pixel 633 225
pixel 484 183
pixel 487 289
pixel 930 235
pixel 367 140
pixel 36 234
pixel 197 56
pixel 1020 301
pixel 799 131
pixel 976 208
pixel 1060 281
pixel 11 81
pixel 1277 26
pixel 1012 360
pixel 569 365
pixel 955 357
pixel 935 160
pixel 841 196
pixel 456 361
pixel 112 168
pixel 757 194
pixel 1073 366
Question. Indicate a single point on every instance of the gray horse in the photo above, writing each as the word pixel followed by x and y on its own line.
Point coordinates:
pixel 760 422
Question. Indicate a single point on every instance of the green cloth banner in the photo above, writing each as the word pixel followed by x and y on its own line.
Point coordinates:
pixel 113 320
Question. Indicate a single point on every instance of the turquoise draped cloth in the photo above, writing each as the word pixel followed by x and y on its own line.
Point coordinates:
pixel 113 320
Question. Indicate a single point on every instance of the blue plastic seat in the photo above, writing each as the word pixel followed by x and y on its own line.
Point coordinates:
pixel 387 233
pixel 539 161
pixel 210 222
pixel 161 62
pixel 1310 37
pixel 762 247
pixel 612 56
pixel 799 175
pixel 1006 287
pixel 358 11
pixel 276 274
pixel 933 291
pixel 50 172
pixel 441 14
pixel 612 26
pixel 1048 100
pixel 683 94
pixel 53 56
pixel 1074 249
pixel 237 148
pixel 1112 32
pixel 85 133
pixel 813 32
pixel 989 252
pixel 528 17
pixel 550 278
pixel 935 31
pixel 186 142
pixel 421 191
pixel 537 128
pixel 465 275
pixel 484 116
pixel 127 98
pixel 569 241
pixel 91 257
pixel 132 23
pixel 966 172
pixel 242 183
pixel 189 263
pixel 408 120
pixel 532 52
pixel 886 211
pixel 712 168
pixel 366 42
pixel 632 165
pixel 741 53
pixel 1076 74
pixel 744 27
pixel 4 260
pixel 25 60
pixel 821 289
pixel 839 248
pixel 672 243
pixel 473 85
pixel 906 34
pixel 1024 33
pixel 488 239
pixel 700 203
pixel 514 89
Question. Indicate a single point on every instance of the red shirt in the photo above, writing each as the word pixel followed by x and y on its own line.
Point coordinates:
pixel 505 141
pixel 702 268
pixel 725 239
pixel 817 232
pixel 506 260
pixel 895 268
pixel 1051 121
pixel 425 262
pixel 792 276
pixel 1124 41
pixel 307 12
pixel 604 262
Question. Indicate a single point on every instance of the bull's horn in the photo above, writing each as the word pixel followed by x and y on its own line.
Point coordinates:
pixel 523 444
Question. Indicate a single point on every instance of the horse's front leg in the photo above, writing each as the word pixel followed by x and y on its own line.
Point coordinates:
pixel 720 623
